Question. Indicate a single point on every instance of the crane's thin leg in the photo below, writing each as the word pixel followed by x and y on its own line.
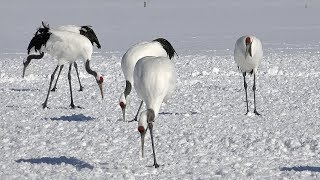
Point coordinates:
pixel 245 88
pixel 76 66
pixel 69 78
pixel 55 84
pixel 254 95
pixel 154 153
pixel 136 117
pixel 44 105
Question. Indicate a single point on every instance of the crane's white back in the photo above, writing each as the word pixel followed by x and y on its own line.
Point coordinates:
pixel 68 46
pixel 138 51
pixel 154 80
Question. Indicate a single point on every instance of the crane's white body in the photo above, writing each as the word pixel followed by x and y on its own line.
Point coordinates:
pixel 154 81
pixel 137 52
pixel 129 60
pixel 248 55
pixel 248 63
pixel 68 28
pixel 68 46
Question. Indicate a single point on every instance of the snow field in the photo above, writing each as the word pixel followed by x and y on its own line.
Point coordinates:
pixel 201 132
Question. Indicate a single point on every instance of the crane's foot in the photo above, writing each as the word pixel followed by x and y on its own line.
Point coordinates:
pixel 246 113
pixel 74 107
pixel 81 88
pixel 256 113
pixel 156 165
pixel 134 120
pixel 44 105
pixel 54 89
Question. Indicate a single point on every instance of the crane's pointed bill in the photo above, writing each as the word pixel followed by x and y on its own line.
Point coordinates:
pixel 123 113
pixel 142 143
pixel 24 70
pixel 101 89
pixel 248 50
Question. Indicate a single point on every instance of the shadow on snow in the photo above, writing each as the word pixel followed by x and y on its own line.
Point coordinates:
pixel 301 168
pixel 24 90
pixel 78 164
pixel 170 113
pixel 73 117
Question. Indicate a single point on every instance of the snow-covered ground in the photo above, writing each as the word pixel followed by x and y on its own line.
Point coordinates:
pixel 202 132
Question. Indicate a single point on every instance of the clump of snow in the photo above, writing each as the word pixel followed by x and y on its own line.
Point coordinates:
pixel 215 70
pixel 274 71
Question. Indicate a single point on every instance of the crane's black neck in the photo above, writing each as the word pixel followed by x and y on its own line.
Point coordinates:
pixel 150 115
pixel 33 56
pixel 128 89
pixel 89 70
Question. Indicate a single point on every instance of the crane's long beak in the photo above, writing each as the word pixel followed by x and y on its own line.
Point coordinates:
pixel 25 65
pixel 142 143
pixel 124 113
pixel 101 89
pixel 248 50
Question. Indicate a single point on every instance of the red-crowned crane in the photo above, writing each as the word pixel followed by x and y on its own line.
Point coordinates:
pixel 248 55
pixel 86 31
pixel 67 47
pixel 154 81
pixel 158 47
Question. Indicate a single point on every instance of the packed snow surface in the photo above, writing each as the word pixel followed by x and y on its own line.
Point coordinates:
pixel 201 132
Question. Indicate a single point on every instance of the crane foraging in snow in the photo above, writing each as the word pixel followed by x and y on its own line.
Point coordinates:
pixel 157 47
pixel 86 31
pixel 154 81
pixel 67 47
